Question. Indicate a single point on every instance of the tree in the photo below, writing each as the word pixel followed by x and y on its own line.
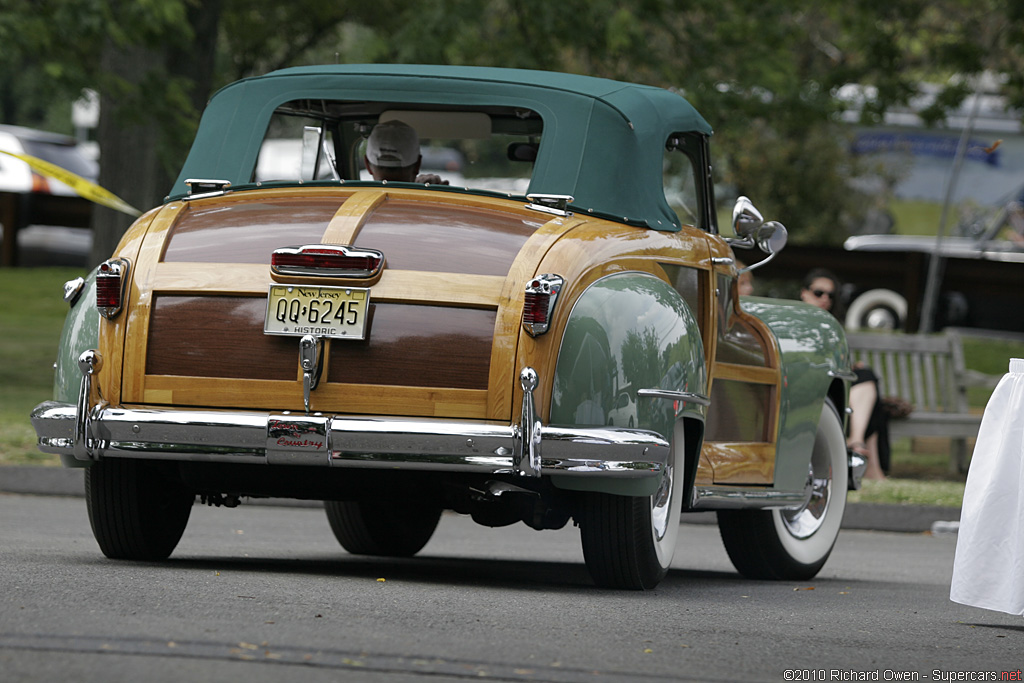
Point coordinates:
pixel 767 75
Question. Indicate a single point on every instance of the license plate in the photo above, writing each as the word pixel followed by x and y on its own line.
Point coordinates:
pixel 338 312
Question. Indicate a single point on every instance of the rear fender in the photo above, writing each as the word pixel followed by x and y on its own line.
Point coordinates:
pixel 626 332
pixel 81 332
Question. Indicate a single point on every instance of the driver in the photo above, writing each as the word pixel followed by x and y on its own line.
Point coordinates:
pixel 393 153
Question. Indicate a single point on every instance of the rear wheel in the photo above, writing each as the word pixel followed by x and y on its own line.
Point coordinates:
pixel 794 544
pixel 374 528
pixel 136 512
pixel 628 542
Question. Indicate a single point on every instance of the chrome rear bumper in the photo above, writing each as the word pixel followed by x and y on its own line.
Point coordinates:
pixel 370 442
pixel 85 433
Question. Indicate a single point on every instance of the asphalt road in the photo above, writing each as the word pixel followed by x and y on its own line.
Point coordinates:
pixel 263 593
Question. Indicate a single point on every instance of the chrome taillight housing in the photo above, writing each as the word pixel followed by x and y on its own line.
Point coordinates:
pixel 326 260
pixel 539 303
pixel 111 286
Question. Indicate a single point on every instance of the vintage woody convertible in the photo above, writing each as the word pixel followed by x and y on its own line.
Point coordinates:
pixel 553 335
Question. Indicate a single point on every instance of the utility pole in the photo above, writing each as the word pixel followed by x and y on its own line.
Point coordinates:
pixel 936 262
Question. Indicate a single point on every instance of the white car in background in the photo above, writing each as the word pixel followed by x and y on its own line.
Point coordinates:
pixel 47 205
pixel 62 150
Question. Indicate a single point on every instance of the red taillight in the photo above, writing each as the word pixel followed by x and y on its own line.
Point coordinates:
pixel 111 277
pixel 539 303
pixel 535 308
pixel 326 261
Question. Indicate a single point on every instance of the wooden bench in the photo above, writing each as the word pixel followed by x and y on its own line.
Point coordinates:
pixel 927 371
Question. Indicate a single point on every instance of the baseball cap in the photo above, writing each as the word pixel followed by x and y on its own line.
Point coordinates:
pixel 393 144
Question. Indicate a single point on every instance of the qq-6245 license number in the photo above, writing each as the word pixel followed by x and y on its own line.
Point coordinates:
pixel 339 312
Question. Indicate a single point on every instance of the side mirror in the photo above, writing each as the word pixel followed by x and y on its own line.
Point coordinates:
pixel 772 237
pixel 746 219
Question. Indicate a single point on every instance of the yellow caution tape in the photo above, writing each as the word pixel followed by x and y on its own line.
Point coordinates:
pixel 83 187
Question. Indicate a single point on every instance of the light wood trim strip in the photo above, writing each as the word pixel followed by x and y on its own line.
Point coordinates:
pixel 351 216
pixel 504 387
pixel 279 395
pixel 405 286
pixel 741 463
pixel 133 374
pixel 746 373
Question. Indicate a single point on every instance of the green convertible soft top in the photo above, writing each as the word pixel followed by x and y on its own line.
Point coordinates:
pixel 604 140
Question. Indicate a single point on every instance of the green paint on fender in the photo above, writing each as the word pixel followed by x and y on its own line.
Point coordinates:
pixel 81 333
pixel 626 332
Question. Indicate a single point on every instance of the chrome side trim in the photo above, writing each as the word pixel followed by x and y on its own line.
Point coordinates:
pixel 848 375
pixel 686 396
pixel 745 497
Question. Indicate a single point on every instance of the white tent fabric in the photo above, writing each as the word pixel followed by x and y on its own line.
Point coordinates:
pixel 988 570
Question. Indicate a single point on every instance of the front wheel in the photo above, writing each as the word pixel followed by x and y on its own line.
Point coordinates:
pixel 136 512
pixel 628 542
pixel 794 544
pixel 381 528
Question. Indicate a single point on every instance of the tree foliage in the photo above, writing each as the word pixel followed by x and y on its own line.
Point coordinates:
pixel 766 74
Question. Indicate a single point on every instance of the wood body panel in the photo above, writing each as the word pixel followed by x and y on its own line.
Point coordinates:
pixel 429 346
pixel 745 386
pixel 217 336
pixel 269 395
pixel 248 231
pixel 742 462
pixel 133 375
pixel 346 223
pixel 443 237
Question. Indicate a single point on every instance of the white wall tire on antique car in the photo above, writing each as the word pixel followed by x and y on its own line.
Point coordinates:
pixel 135 512
pixel 384 528
pixel 794 544
pixel 628 542
pixel 877 309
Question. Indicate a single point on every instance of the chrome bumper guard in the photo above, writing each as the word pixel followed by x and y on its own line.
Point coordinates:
pixel 89 433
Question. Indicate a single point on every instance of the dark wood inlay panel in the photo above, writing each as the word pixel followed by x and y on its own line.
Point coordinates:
pixel 413 345
pixel 445 238
pixel 248 232
pixel 217 336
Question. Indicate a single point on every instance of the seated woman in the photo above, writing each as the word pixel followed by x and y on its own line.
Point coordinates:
pixel 868 428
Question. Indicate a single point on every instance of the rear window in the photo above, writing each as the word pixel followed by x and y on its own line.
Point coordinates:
pixel 488 148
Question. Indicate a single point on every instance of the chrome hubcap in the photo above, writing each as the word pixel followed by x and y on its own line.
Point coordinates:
pixel 805 521
pixel 661 503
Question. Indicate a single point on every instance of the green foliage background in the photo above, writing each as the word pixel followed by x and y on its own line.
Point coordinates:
pixel 767 75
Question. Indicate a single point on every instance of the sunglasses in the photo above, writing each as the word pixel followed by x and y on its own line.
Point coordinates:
pixel 823 292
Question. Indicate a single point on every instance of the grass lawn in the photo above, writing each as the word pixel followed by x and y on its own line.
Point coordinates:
pixel 30 323
pixel 919 475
